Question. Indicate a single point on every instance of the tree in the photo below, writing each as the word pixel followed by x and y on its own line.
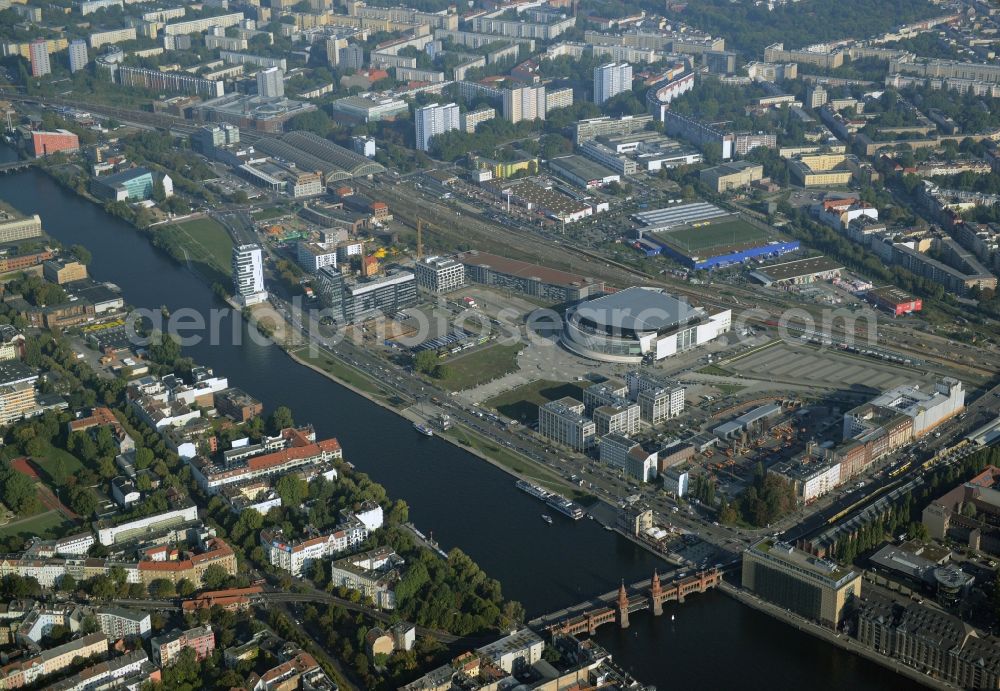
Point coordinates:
pixel 81 253
pixel 215 577
pixel 82 501
pixel 292 489
pixel 67 583
pixel 162 588
pixel 14 587
pixel 18 492
pixel 918 531
pixel 185 587
pixel 143 458
pixel 280 419
pixel 425 361
pixel 102 587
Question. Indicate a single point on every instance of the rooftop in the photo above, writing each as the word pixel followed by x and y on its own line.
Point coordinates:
pixel 581 167
pixel 523 269
pixel 800 267
pixel 640 310
pixel 833 574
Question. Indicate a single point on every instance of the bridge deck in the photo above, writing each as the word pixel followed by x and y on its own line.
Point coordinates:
pixel 638 599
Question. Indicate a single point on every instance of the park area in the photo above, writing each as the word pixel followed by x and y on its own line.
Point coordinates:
pixel 203 242
pixel 522 403
pixel 479 366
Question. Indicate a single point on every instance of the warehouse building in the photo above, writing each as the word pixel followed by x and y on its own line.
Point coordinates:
pixel 582 172
pixel 798 272
pixel 894 300
pixel 530 279
pixel 811 587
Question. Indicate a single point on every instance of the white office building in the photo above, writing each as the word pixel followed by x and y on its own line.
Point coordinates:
pixel 563 422
pixel 77 55
pixel 439 274
pixel 611 80
pixel 271 83
pixel 675 482
pixel 434 119
pixel 248 274
pixel 615 448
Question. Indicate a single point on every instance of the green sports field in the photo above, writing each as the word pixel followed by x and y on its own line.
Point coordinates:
pixel 728 233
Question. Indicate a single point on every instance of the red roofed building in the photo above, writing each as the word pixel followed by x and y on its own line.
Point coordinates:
pixel 380 211
pixel 174 566
pixel 302 671
pixel 232 599
pixel 294 448
pixel 48 143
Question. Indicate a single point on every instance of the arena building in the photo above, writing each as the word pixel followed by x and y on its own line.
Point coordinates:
pixel 638 323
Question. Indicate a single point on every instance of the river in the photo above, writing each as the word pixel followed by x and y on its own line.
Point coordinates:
pixel 714 643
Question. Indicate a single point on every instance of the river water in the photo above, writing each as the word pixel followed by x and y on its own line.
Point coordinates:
pixel 714 642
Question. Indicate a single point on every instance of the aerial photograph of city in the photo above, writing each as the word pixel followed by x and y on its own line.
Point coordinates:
pixel 499 345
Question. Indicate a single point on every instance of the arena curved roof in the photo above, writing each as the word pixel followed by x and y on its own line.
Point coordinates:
pixel 637 310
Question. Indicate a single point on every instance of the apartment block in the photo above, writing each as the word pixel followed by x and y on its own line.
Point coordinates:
pixel 524 103
pixel 29 671
pixel 928 639
pixel 611 80
pixel 167 647
pixel 374 574
pixel 103 38
pixel 295 556
pixel 544 31
pixel 117 622
pixel 432 120
pixel 196 26
pixel 288 451
pixel 38 52
pixel 470 120
pixel 661 403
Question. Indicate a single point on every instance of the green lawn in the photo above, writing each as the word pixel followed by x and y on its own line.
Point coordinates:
pixel 334 367
pixel 58 465
pixel 202 241
pixel 479 367
pixel 267 214
pixel 46 525
pixel 522 403
pixel 716 370
pixel 723 234
pixel 519 465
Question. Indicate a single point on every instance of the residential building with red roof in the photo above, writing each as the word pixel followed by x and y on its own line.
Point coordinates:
pixel 292 449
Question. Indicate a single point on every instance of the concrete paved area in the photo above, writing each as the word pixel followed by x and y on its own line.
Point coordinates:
pixel 787 363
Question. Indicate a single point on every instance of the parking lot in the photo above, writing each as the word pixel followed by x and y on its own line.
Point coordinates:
pixel 826 368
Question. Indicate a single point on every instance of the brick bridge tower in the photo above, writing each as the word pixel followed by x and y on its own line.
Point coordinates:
pixel 622 606
pixel 655 593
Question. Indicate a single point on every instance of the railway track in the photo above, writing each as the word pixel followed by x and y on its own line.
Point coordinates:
pixel 408 207
pixel 545 251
